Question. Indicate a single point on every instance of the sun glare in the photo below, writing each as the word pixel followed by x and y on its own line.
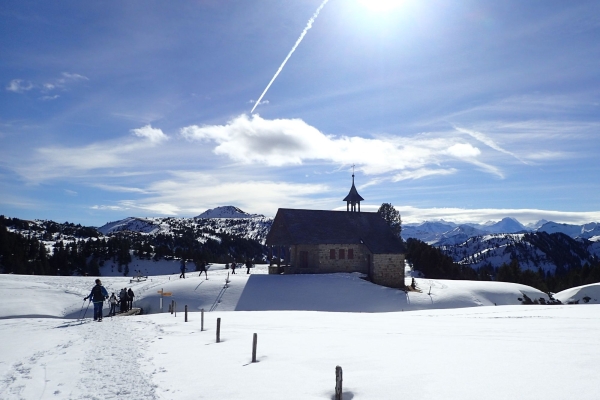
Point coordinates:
pixel 380 5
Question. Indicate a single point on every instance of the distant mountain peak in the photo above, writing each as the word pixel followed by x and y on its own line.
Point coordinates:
pixel 227 212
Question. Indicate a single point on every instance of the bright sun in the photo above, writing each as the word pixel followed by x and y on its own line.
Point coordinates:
pixel 381 5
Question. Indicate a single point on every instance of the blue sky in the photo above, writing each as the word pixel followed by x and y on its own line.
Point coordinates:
pixel 468 111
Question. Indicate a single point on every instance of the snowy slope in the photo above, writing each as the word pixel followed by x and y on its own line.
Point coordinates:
pixel 455 354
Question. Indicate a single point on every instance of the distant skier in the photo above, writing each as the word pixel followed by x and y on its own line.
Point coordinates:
pixel 97 295
pixel 182 268
pixel 248 266
pixel 202 268
pixel 233 267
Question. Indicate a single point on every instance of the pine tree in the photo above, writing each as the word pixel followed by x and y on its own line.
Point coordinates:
pixel 392 217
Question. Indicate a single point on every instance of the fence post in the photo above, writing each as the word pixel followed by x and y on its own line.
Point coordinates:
pixel 175 307
pixel 186 313
pixel 201 320
pixel 338 383
pixel 254 343
pixel 218 330
pixel 172 304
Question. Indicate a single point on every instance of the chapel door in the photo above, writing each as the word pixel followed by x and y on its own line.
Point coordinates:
pixel 303 259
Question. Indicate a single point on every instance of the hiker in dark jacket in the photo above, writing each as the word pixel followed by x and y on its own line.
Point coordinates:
pixel 248 266
pixel 233 267
pixel 97 295
pixel 123 300
pixel 130 297
pixel 182 268
pixel 202 268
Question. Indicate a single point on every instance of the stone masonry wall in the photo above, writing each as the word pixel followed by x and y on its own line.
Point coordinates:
pixel 319 260
pixel 388 270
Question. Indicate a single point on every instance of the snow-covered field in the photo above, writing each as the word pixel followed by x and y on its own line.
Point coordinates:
pixel 445 344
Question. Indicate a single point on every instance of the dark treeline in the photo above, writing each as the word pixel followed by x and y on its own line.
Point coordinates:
pixel 433 263
pixel 86 250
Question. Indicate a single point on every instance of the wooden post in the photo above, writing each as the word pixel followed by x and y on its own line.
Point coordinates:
pixel 254 343
pixel 175 307
pixel 172 303
pixel 201 320
pixel 218 330
pixel 338 383
pixel 186 313
pixel 161 296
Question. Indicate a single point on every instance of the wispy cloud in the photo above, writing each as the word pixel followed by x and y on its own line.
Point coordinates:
pixel 46 88
pixel 190 193
pixel 56 161
pixel 487 141
pixel 19 86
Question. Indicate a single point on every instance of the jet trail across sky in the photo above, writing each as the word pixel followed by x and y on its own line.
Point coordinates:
pixel 308 26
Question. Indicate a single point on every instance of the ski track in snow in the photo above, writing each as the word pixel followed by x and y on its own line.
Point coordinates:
pixel 115 347
pixel 111 368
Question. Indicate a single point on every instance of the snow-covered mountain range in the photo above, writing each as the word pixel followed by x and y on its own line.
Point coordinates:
pixel 443 233
pixel 547 245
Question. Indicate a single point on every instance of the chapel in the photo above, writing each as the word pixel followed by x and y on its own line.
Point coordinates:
pixel 320 241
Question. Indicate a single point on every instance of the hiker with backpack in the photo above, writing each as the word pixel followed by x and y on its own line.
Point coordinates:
pixel 130 297
pixel 123 300
pixel 233 267
pixel 97 295
pixel 248 266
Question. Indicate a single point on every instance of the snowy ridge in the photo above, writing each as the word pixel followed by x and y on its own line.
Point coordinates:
pixel 227 212
pixel 133 224
pixel 532 251
pixel 250 227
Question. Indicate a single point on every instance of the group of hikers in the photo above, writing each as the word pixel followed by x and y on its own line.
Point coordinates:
pixel 99 293
pixel 240 265
pixel 203 267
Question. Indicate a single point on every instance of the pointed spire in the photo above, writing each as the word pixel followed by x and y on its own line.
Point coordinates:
pixel 353 198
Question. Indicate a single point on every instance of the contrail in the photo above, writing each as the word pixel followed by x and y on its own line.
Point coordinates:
pixel 308 26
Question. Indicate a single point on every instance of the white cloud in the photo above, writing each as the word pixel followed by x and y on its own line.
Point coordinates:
pixel 282 142
pixel 48 98
pixel 154 135
pixel 191 193
pixel 19 86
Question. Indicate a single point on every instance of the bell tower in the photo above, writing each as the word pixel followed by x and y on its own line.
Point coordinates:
pixel 353 199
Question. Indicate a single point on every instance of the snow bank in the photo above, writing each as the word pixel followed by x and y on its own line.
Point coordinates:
pixel 588 294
